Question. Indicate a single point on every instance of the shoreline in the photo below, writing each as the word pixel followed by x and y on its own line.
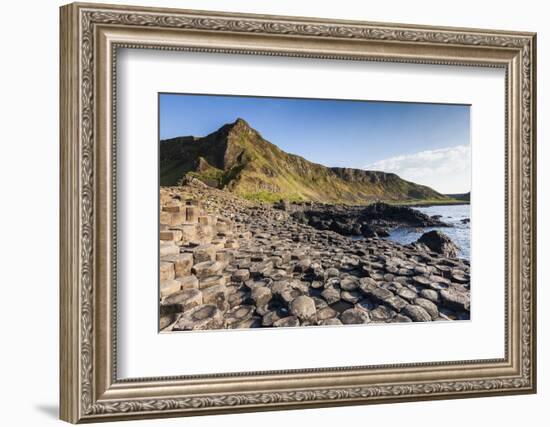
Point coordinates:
pixel 428 204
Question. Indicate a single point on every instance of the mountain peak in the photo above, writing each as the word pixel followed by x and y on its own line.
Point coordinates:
pixel 240 122
pixel 241 125
pixel 237 158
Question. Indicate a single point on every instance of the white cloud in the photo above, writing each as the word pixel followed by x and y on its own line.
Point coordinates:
pixel 446 170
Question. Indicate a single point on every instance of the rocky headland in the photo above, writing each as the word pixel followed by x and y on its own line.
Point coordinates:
pixel 228 262
pixel 237 158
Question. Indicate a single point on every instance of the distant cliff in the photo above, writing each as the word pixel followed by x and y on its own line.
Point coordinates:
pixel 238 159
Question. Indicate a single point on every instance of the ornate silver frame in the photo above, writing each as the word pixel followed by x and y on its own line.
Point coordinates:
pixel 90 35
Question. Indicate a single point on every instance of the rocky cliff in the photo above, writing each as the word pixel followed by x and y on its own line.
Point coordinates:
pixel 237 158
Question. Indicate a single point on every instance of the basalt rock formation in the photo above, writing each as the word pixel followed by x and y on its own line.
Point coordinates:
pixel 226 262
pixel 374 220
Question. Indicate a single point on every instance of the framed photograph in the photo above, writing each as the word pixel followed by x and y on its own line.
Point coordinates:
pixel 266 212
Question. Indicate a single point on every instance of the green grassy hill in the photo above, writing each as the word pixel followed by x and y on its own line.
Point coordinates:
pixel 465 197
pixel 238 159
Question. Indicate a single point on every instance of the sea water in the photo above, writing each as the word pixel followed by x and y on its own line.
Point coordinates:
pixel 459 233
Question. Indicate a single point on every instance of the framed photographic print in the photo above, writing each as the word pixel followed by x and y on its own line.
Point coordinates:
pixel 265 212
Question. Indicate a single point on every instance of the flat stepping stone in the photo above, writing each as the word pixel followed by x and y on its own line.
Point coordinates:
pixel 382 314
pixel 331 295
pixel 216 295
pixel 206 252
pixel 209 281
pixel 454 300
pixel 430 295
pixel 272 316
pixel 354 316
pixel 407 294
pixel 422 281
pixel 182 263
pixel 326 313
pixel 182 300
pixel 416 313
pixel 349 284
pixel 395 302
pixel 429 306
pixel 259 269
pixel 238 314
pixel 168 287
pixel 167 271
pixel 240 275
pixel 199 318
pixel 207 268
pixel 238 297
pixel 351 296
pixel 285 322
pixel 400 318
pixel 166 320
pixel 330 322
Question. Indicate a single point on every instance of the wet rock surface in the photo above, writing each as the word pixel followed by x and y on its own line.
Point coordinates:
pixel 229 263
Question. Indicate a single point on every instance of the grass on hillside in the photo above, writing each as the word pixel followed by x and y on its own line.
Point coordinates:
pixel 427 202
pixel 267 197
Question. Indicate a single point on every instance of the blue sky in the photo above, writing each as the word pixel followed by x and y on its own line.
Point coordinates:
pixel 425 143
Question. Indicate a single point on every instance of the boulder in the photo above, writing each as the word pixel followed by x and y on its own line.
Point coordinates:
pixel 261 295
pixel 331 295
pixel 349 284
pixel 303 307
pixel 440 243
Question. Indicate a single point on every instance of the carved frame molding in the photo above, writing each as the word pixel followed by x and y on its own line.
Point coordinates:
pixel 90 36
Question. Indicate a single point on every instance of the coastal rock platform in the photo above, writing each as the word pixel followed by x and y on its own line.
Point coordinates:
pixel 226 262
